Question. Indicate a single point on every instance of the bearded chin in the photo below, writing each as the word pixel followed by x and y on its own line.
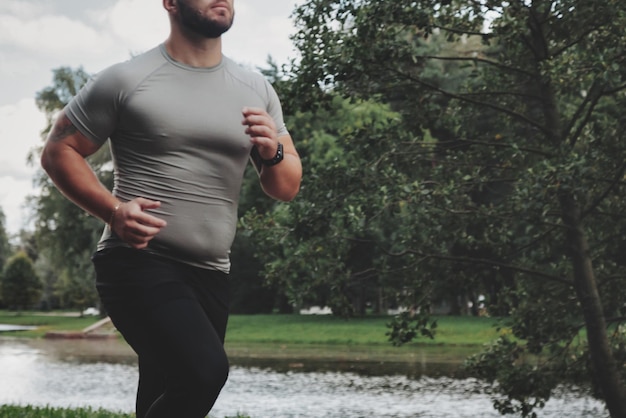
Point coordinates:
pixel 193 21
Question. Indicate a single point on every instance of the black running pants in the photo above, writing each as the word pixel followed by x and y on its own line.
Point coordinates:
pixel 174 316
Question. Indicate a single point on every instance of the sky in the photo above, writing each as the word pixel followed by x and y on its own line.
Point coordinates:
pixel 37 36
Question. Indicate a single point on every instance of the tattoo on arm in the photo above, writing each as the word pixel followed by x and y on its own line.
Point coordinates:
pixel 61 129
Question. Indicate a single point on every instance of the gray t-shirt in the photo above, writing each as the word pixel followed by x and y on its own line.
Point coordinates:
pixel 176 137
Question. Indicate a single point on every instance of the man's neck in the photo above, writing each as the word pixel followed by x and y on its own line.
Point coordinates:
pixel 197 52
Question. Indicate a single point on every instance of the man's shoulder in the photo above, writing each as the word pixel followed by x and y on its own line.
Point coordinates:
pixel 246 75
pixel 129 73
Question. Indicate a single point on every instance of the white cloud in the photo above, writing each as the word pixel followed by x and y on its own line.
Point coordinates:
pixel 20 130
pixel 31 46
pixel 260 30
pixel 22 8
pixel 140 24
pixel 51 35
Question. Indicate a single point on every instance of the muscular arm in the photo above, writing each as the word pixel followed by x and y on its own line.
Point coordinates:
pixel 63 158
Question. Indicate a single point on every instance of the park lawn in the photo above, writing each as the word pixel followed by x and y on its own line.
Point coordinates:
pixel 44 321
pixel 290 329
pixel 329 330
pixel 11 411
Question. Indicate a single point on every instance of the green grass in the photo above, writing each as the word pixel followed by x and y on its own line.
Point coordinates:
pixel 290 329
pixel 10 411
pixel 327 330
pixel 44 322
pixel 358 339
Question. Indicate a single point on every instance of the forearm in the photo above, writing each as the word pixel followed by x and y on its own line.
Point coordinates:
pixel 282 181
pixel 73 176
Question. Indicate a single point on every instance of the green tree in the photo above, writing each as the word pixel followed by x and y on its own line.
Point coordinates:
pixel 21 287
pixel 315 248
pixel 503 172
pixel 66 235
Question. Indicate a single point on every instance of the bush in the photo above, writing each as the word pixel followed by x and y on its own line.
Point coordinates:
pixel 21 287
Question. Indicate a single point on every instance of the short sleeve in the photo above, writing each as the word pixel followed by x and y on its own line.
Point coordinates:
pixel 274 109
pixel 94 110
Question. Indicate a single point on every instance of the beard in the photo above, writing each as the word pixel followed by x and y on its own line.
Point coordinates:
pixel 192 20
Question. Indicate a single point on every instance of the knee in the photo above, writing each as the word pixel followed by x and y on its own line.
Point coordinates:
pixel 211 377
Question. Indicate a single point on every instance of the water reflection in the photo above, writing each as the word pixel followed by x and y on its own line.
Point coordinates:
pixel 35 376
pixel 103 374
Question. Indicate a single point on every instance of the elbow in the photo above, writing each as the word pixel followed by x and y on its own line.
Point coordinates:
pixel 285 190
pixel 291 189
pixel 45 161
pixel 49 158
pixel 288 197
pixel 284 194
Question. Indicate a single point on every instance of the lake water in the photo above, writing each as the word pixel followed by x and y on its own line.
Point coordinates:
pixel 102 374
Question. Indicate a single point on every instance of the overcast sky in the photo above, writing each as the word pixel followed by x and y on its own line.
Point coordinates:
pixel 37 36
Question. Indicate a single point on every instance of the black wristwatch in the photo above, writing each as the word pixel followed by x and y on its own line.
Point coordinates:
pixel 277 158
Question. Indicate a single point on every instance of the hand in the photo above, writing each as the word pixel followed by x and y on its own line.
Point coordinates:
pixel 133 225
pixel 262 130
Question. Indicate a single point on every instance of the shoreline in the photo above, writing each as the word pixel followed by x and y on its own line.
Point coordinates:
pixel 412 361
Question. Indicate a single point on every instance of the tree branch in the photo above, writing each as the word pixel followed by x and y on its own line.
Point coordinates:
pixel 505 145
pixel 610 92
pixel 481 60
pixel 463 32
pixel 617 319
pixel 446 93
pixel 616 180
pixel 576 40
pixel 589 103
pixel 493 263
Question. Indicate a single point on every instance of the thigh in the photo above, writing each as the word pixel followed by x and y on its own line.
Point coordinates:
pixel 130 284
pixel 212 291
pixel 168 312
pixel 185 342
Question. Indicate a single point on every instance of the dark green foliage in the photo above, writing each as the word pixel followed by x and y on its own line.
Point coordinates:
pixel 67 82
pixel 249 294
pixel 21 287
pixel 494 165
pixel 407 326
pixel 321 248
pixel 65 234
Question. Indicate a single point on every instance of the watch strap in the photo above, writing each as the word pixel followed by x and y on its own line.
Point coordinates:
pixel 277 158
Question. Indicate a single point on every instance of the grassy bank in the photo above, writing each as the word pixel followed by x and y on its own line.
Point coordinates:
pixel 8 411
pixel 44 321
pixel 309 337
pixel 288 329
pixel 328 330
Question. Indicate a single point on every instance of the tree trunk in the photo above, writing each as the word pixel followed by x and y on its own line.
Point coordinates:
pixel 604 364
